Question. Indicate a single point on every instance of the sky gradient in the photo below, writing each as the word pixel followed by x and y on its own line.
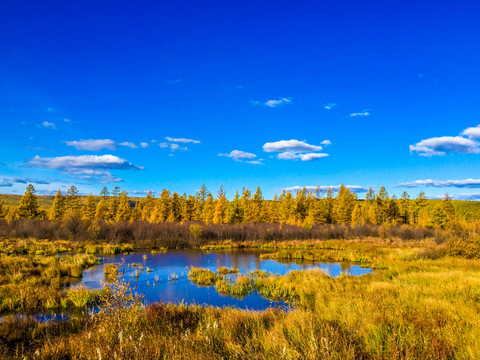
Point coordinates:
pixel 278 94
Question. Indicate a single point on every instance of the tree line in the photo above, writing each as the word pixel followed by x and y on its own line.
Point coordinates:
pixel 305 208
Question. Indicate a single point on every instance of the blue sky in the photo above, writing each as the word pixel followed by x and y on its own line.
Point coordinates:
pixel 158 94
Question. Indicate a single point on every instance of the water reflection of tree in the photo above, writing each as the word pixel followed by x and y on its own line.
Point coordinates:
pixel 346 267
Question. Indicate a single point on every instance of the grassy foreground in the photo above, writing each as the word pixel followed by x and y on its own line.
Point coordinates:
pixel 419 304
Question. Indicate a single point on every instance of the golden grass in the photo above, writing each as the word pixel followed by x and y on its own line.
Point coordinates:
pixel 422 305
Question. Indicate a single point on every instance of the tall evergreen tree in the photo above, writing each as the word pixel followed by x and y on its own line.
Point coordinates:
pixel 235 210
pixel 404 207
pixel 256 206
pixel 28 207
pixel 162 207
pixel 124 212
pixel 221 208
pixel 57 210
pixel 89 208
pixel 344 204
pixel 72 200
pixel 102 211
pixel 209 210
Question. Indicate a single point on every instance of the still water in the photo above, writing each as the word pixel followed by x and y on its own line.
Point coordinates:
pixel 158 284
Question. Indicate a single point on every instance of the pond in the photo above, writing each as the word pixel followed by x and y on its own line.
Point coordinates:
pixel 167 279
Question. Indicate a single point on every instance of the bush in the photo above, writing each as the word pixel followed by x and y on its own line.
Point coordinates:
pixel 468 248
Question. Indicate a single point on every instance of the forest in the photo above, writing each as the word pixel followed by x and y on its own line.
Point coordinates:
pixel 304 208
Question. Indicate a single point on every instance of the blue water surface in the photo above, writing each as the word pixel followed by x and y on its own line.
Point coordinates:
pixel 168 281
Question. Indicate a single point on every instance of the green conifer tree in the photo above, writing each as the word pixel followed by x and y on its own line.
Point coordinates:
pixel 28 207
pixel 57 210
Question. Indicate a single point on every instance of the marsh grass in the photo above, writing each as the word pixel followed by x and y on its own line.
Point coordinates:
pixel 423 305
pixel 34 283
pixel 202 277
pixel 226 271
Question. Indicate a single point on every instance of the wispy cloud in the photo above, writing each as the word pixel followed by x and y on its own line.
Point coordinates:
pixel 311 156
pixel 468 196
pixel 70 163
pixel 89 167
pixel 173 143
pixel 5 183
pixel 279 102
pixel 93 144
pixel 144 145
pixel 9 181
pixel 329 106
pixel 441 145
pixel 100 144
pixel 243 156
pixel 466 183
pixel 128 144
pixel 239 155
pixel 50 125
pixel 274 102
pixel 295 150
pixel 362 113
pixel 324 188
pixel 182 140
pixel 174 146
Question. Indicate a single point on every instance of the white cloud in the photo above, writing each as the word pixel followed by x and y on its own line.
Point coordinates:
pixel 363 113
pixel 303 157
pixel 470 197
pixel 287 155
pixel 144 145
pixel 88 167
pixel 174 146
pixel 295 149
pixel 466 183
pixel 290 146
pixel 75 163
pixel 243 156
pixel 472 132
pixel 444 144
pixel 182 140
pixel 326 142
pixel 93 144
pixel 128 144
pixel 47 124
pixel 173 143
pixel 239 155
pixel 279 102
pixel 324 188
pixel 312 156
pixel 100 144
pixel 329 106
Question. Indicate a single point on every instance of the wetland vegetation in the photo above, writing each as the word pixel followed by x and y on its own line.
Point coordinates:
pixel 421 301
